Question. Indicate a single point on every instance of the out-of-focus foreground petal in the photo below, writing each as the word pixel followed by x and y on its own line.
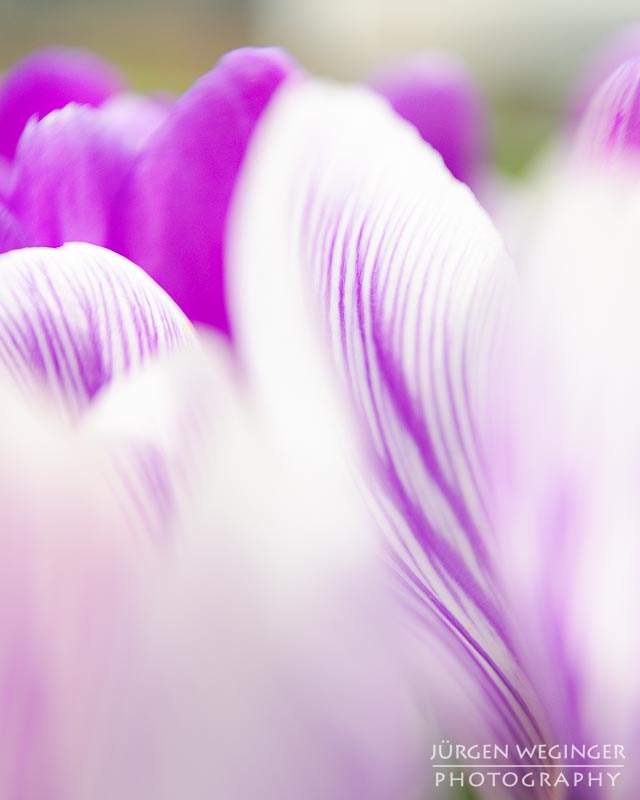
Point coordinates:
pixel 408 276
pixel 248 653
pixel 611 126
pixel 171 213
pixel 565 455
pixel 436 93
pixel 77 317
pixel 47 80
pixel 70 166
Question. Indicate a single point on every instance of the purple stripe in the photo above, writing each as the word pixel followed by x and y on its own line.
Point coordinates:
pixel 64 298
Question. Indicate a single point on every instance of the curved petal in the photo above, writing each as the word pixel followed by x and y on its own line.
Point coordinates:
pixel 138 667
pixel 611 124
pixel 565 466
pixel 47 80
pixel 623 46
pixel 409 276
pixel 76 317
pixel 68 170
pixel 435 92
pixel 171 213
pixel 70 166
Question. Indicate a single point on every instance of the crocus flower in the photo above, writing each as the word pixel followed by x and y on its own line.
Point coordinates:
pixel 227 518
pixel 153 471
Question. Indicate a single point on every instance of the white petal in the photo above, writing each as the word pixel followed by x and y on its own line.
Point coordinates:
pixel 344 215
pixel 239 652
pixel 76 317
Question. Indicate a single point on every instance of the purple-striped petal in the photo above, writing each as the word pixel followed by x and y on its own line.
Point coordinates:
pixel 409 277
pixel 47 80
pixel 611 125
pixel 171 214
pixel 77 317
pixel 436 93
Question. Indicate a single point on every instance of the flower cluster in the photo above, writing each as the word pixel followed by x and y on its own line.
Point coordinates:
pixel 300 468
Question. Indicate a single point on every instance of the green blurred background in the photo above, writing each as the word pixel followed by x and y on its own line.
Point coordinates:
pixel 525 55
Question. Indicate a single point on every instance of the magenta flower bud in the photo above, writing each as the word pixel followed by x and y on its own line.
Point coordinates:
pixel 435 93
pixel 48 80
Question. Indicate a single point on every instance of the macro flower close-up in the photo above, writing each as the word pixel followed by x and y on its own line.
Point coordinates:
pixel 319 443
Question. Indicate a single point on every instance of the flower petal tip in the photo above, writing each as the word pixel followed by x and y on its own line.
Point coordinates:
pixel 623 46
pixel 74 318
pixel 171 213
pixel 436 93
pixel 611 126
pixel 50 79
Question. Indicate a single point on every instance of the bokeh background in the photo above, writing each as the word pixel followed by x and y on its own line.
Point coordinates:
pixel 525 55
